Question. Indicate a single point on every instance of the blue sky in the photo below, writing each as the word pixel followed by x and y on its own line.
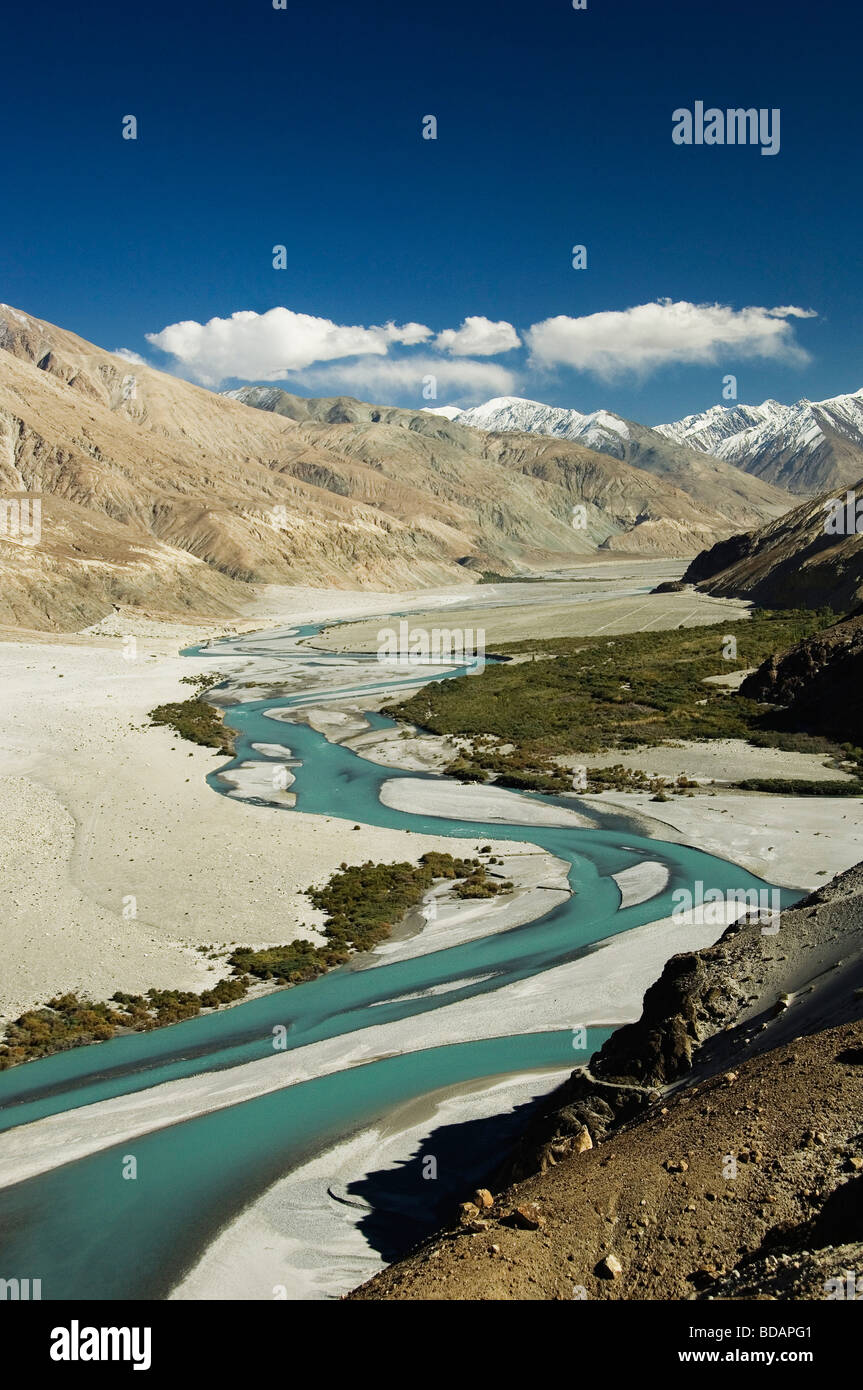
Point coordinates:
pixel 302 127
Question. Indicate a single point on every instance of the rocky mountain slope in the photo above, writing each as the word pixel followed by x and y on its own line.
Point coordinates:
pixel 715 485
pixel 156 492
pixel 808 447
pixel 627 509
pixel 792 562
pixel 713 1149
pixel 819 680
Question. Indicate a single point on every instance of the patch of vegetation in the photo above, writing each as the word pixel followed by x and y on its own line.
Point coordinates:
pixel 479 885
pixel 801 786
pixel 68 1021
pixel 630 779
pixel 362 903
pixel 596 694
pixel 492 577
pixel 204 680
pixel 466 770
pixel 799 741
pixel 293 964
pixel 594 780
pixel 196 720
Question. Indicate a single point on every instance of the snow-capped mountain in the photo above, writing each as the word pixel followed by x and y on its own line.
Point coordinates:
pixel 709 429
pixel 807 447
pixel 606 433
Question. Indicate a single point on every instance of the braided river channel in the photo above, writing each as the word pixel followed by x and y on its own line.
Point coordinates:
pixel 215 1119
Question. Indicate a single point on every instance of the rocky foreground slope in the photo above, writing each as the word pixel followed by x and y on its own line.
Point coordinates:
pixel 713 1149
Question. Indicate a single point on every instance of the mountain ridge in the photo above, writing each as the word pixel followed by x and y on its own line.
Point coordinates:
pixel 807 447
pixel 713 485
pixel 158 493
pixel 803 448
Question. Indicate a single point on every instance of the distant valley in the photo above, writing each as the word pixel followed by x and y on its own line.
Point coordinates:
pixel 157 493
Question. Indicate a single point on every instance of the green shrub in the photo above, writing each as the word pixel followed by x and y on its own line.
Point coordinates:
pixel 801 786
pixel 196 721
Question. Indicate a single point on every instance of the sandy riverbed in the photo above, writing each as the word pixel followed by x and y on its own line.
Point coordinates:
pixel 508 613
pixel 793 841
pixel 602 987
pixel 119 859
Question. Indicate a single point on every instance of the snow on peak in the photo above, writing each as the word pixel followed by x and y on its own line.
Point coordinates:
pixel 514 414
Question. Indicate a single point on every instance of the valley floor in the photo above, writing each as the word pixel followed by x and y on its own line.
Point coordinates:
pixel 122 861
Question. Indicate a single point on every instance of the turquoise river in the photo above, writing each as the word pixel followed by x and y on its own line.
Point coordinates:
pixel 86 1235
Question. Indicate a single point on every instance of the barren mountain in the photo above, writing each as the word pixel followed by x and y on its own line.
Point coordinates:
pixel 156 492
pixel 626 508
pixel 794 562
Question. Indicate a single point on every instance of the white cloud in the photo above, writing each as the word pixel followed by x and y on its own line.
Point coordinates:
pixel 264 347
pixel 409 333
pixel 281 345
pixel 468 381
pixel 655 335
pixel 129 356
pixel 478 337
pixel 789 311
